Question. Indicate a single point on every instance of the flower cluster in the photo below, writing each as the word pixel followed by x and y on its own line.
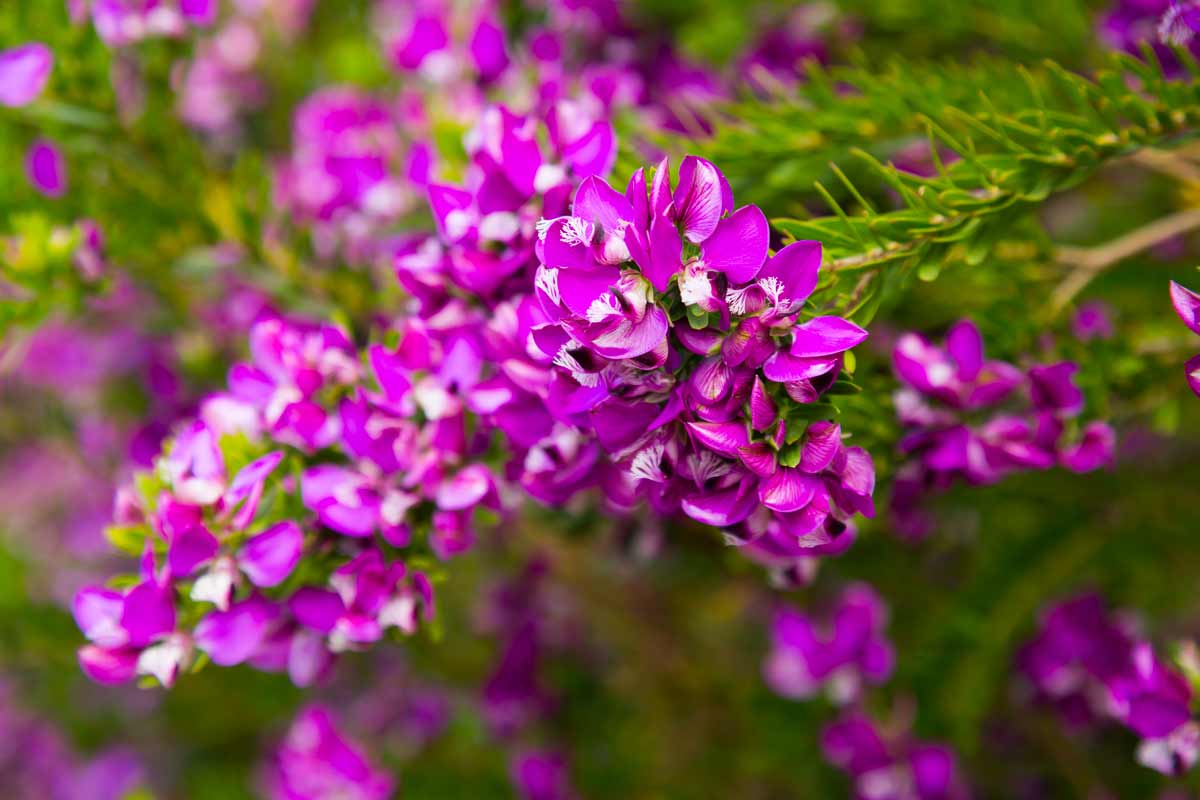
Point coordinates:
pixel 592 53
pixel 886 765
pixel 360 162
pixel 121 23
pixel 1091 666
pixel 838 657
pixel 350 172
pixel 970 419
pixel 476 274
pixel 683 347
pixel 487 226
pixel 370 469
pixel 220 83
pixel 1187 306
pixel 316 761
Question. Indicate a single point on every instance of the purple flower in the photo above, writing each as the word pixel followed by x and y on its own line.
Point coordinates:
pixel 219 82
pixel 1180 23
pixel 889 767
pixel 659 358
pixel 269 557
pixel 1187 306
pixel 780 54
pixel 316 761
pixel 1091 667
pixel 1129 24
pixel 968 418
pixel 838 656
pixel 293 363
pixel 245 491
pixel 541 776
pixel 344 176
pixel 124 22
pixel 24 71
pixel 1092 320
pixel 343 499
pixel 195 465
pixel 46 168
pixel 131 633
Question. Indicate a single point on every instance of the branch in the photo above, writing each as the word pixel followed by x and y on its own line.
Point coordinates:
pixel 1088 262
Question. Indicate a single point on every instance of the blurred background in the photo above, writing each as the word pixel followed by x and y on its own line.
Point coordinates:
pixel 625 654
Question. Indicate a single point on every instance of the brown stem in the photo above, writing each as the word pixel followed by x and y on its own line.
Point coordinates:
pixel 1088 262
pixel 1173 165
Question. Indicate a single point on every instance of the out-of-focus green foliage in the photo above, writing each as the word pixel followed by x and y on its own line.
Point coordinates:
pixel 666 698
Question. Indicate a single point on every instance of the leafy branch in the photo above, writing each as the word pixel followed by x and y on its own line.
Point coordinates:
pixel 1014 148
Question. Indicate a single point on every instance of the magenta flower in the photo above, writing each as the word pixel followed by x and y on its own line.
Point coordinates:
pixel 24 71
pixel 839 655
pixel 1093 320
pixel 345 177
pixel 46 168
pixel 1130 24
pixel 971 419
pixel 1091 667
pixel 124 22
pixel 1180 23
pixel 231 636
pixel 293 363
pixel 378 457
pixel 131 633
pixel 219 82
pixel 316 761
pixel 541 776
pixel 678 369
pixel 884 766
pixel 1187 306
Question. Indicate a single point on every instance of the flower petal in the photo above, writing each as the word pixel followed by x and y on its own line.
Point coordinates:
pixel 602 205
pixel 785 368
pixel 1187 306
pixel 24 71
pixel 108 666
pixel 763 412
pixel 147 613
pixel 738 245
pixel 664 259
pixel 1192 370
pixel 619 423
pixel 965 346
pixel 725 438
pixel 46 168
pixel 579 288
pixel 720 509
pixel 797 267
pixel 466 489
pixel 189 549
pixel 97 612
pixel 702 196
pixel 825 336
pixel 316 608
pixel 230 637
pixel 759 458
pixel 1053 387
pixel 268 558
pixel 788 489
pixel 1094 450
pixel 822 443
